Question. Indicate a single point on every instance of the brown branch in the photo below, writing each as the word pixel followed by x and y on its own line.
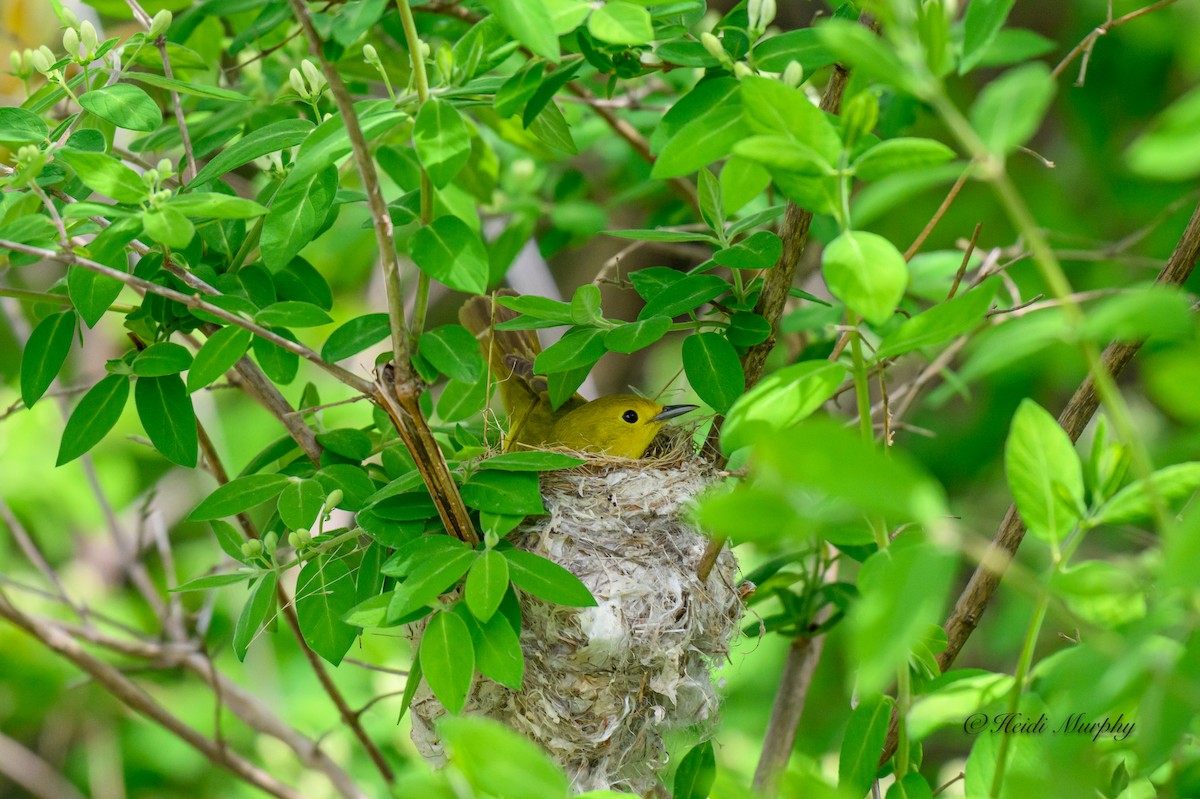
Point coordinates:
pixel 973 601
pixel 26 769
pixel 941 211
pixel 1089 41
pixel 121 687
pixel 802 658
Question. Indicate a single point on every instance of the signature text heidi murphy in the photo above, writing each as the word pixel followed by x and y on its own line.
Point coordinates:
pixel 1074 724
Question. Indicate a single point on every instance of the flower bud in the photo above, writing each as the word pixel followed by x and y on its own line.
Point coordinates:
pixel 294 541
pixel 150 177
pixel 14 59
pixel 370 54
pixel 334 499
pixel 69 18
pixel 27 59
pixel 27 153
pixel 315 79
pixel 270 542
pixel 714 47
pixel 40 61
pixel 304 536
pixel 160 23
pixel 87 34
pixel 425 51
pixel 490 539
pixel 297 82
pixel 165 167
pixel 741 70
pixel 70 42
pixel 761 13
pixel 445 61
pixel 252 548
pixel 793 74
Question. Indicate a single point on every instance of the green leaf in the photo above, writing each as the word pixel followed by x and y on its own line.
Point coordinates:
pixel 18 126
pixel 759 250
pixel 460 401
pixel 442 141
pixel 291 313
pixel 782 399
pixel 451 253
pixel 348 442
pixel 185 87
pixel 507 493
pixel 662 235
pixel 239 495
pixel 899 155
pixel 324 593
pixel 427 580
pixel 771 107
pixel 254 614
pixel 585 305
pixel 163 358
pixel 858 761
pixel 747 329
pixel 940 323
pixel 547 580
pixel 268 139
pixel 1044 473
pixel 212 581
pixel 300 502
pixel 45 353
pixel 296 214
pixel 492 757
pixel 741 181
pixel 531 462
pixel 487 581
pixel 538 307
pixel 93 417
pixel 1133 502
pixel 217 206
pixel 453 351
pixel 982 22
pixel 696 773
pixel 93 293
pixel 621 22
pixel 869 55
pixel 530 23
pixel 515 92
pixel 498 654
pixel 713 369
pixel 803 46
pixel 633 336
pixel 683 296
pixel 105 175
pixel 448 660
pixel 124 105
pixel 280 365
pixel 700 142
pixel 1170 149
pixel 867 272
pixel 355 336
pixel 1010 109
pixel 169 227
pixel 218 355
pixel 579 348
pixel 229 539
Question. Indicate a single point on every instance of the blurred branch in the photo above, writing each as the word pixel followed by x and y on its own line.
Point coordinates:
pixel 122 688
pixel 26 769
pixel 802 658
pixel 1089 42
pixel 973 601
pixel 189 171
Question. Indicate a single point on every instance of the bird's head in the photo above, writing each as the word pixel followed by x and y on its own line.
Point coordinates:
pixel 622 425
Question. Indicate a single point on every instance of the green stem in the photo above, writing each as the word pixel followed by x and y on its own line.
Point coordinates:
pixel 1014 702
pixel 862 388
pixel 321 549
pixel 903 700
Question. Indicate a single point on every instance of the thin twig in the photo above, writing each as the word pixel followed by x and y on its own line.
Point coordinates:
pixel 1089 41
pixel 26 769
pixel 939 213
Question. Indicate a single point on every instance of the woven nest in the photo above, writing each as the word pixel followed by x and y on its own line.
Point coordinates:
pixel 603 685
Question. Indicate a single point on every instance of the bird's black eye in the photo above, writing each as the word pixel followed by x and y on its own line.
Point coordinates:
pixel 630 416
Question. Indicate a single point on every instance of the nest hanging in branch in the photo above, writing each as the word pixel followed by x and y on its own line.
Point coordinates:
pixel 602 685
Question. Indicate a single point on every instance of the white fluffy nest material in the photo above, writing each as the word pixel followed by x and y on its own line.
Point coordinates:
pixel 602 685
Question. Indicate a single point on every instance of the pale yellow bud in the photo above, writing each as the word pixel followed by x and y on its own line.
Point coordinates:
pixel 40 61
pixel 69 18
pixel 14 59
pixel 370 54
pixel 793 74
pixel 315 79
pixel 165 168
pixel 87 34
pixel 70 42
pixel 159 25
pixel 742 70
pixel 713 45
pixel 150 177
pixel 297 82
pixel 334 499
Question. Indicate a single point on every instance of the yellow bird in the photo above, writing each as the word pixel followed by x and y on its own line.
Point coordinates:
pixel 622 425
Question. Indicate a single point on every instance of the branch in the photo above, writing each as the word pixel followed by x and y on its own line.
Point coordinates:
pixel 1074 418
pixel 137 699
pixel 161 43
pixel 35 775
pixel 1089 41
pixel 802 658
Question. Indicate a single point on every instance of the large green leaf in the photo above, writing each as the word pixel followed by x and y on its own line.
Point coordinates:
pixel 1010 109
pixel 773 108
pixel 547 580
pixel 295 216
pixel 448 659
pixel 166 412
pixel 124 105
pixel 982 22
pixel 45 353
pixel 867 272
pixel 621 22
pixel 239 495
pixel 708 138
pixel 268 139
pixel 163 358
pixel 507 493
pixel 355 336
pixel 18 126
pixel 498 654
pixel 1044 473
pixel 93 417
pixel 324 593
pixel 105 175
pixel 858 761
pixel 218 355
pixel 487 581
pixel 782 399
pixel 713 369
pixel 442 141
pixel 530 23
pixel 450 252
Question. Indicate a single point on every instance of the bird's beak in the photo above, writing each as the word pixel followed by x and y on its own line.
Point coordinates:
pixel 671 411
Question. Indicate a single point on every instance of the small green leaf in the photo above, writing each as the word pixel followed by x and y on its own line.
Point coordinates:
pixel 1010 109
pixel 579 348
pixel 696 773
pixel 291 313
pixel 899 155
pixel 185 87
pixel 218 355
pixel 486 583
pixel 442 141
pixel 621 22
pixel 530 23
pixel 683 295
pixel 254 614
pixel 508 493
pixel 1133 502
pixel 547 580
pixel 427 580
pixel 166 412
pixel 774 108
pixel 781 400
pixel 93 293
pixel 858 762
pixel 169 227
pixel 453 351
pixel 93 417
pixel 18 126
pixel 300 503
pixel 759 250
pixel 239 495
pixel 451 253
pixel 1044 473
pixel 212 581
pixel 355 336
pixel 498 654
pixel 713 369
pixel 324 593
pixel 448 660
pixel 229 539
pixel 702 141
pixel 633 336
pixel 489 755
pixel 280 365
pixel 45 353
pixel 217 206
pixel 163 358
pixel 940 323
pixel 531 462
pixel 124 105
pixel 105 175
pixel 867 272
pixel 296 214
pixel 585 305
pixel 982 22
pixel 268 139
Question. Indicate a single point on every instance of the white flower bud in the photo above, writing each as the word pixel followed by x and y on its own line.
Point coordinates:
pixel 150 177
pixel 425 51
pixel 252 547
pixel 297 82
pixel 14 58
pixel 741 70
pixel 70 42
pixel 304 536
pixel 158 26
pixel 793 74
pixel 40 61
pixel 315 79
pixel 27 59
pixel 69 18
pixel 713 45
pixel 87 33
pixel 270 541
pixel 370 54
pixel 27 153
pixel 761 13
pixel 165 168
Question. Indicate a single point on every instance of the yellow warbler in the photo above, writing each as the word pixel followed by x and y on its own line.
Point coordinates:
pixel 622 425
